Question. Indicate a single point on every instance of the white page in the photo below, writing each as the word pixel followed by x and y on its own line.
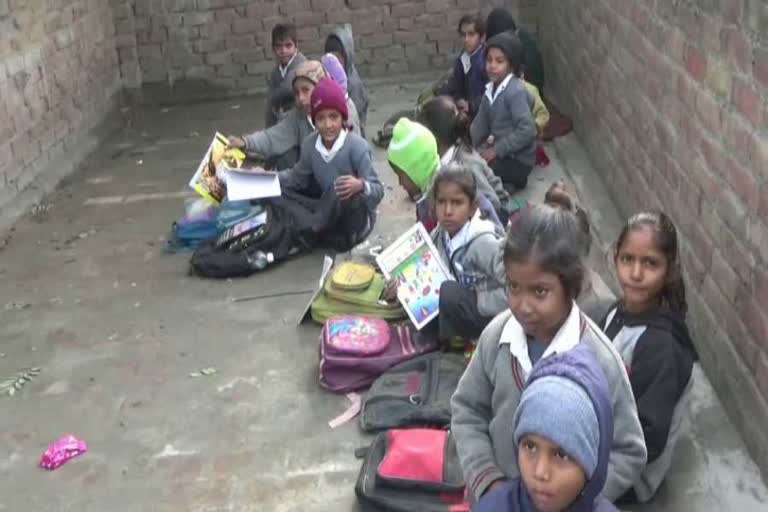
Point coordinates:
pixel 251 185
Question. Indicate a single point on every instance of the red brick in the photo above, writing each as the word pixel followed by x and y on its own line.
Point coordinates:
pixel 709 111
pixel 695 62
pixel 748 101
pixel 738 48
pixel 760 66
pixel 738 137
pixel 408 10
pixel 743 183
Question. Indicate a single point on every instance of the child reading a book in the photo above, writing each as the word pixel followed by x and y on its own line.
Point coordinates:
pixel 334 189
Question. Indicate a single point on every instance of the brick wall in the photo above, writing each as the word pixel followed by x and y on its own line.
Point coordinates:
pixel 671 100
pixel 58 74
pixel 226 44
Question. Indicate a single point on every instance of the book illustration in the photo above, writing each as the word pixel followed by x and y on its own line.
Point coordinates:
pixel 207 180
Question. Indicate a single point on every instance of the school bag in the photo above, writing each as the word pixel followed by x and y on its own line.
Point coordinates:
pixel 202 222
pixel 354 289
pixel 270 232
pixel 416 393
pixel 355 350
pixel 412 470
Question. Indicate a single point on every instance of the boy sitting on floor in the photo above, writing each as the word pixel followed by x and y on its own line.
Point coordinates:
pixel 467 83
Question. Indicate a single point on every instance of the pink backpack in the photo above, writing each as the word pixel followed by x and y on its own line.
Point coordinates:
pixel 355 350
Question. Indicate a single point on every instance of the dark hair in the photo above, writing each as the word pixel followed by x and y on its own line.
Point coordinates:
pixel 473 19
pixel 557 195
pixel 460 176
pixel 512 48
pixel 665 236
pixel 439 115
pixel 551 237
pixel 283 32
pixel 499 20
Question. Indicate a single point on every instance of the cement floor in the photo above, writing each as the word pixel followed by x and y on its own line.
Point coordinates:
pixel 87 294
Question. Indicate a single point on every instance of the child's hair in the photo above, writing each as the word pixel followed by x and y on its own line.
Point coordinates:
pixel 460 176
pixel 552 238
pixel 499 20
pixel 283 32
pixel 665 236
pixel 557 195
pixel 439 115
pixel 474 19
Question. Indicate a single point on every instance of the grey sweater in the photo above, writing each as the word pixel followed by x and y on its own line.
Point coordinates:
pixel 510 121
pixel 489 392
pixel 313 173
pixel 280 89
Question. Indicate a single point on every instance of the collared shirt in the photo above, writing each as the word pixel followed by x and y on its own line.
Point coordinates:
pixel 466 59
pixel 567 337
pixel 311 123
pixel 284 70
pixel 448 155
pixel 326 153
pixel 489 88
pixel 458 240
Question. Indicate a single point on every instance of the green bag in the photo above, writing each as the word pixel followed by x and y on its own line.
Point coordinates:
pixel 337 300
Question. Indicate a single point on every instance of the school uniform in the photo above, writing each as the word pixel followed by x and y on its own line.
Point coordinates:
pixel 468 79
pixel 505 117
pixel 356 89
pixel 474 256
pixel 484 405
pixel 280 88
pixel 659 355
pixel 488 184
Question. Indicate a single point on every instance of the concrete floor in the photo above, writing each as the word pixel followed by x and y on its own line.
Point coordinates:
pixel 117 326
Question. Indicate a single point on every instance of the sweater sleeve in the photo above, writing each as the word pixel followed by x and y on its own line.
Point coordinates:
pixel 454 87
pixel 492 296
pixel 659 375
pixel 276 140
pixel 480 127
pixel 523 131
pixel 363 165
pixel 471 416
pixel 300 177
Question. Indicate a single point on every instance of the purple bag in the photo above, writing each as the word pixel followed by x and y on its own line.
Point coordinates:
pixel 355 350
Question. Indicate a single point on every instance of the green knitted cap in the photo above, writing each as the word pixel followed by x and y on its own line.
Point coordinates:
pixel 414 150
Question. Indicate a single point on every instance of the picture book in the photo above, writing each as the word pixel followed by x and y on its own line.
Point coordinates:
pixel 207 180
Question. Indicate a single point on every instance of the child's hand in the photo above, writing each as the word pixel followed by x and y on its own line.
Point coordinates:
pixel 236 142
pixel 488 154
pixel 463 106
pixel 348 186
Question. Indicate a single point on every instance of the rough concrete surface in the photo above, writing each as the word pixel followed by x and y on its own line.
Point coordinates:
pixel 87 294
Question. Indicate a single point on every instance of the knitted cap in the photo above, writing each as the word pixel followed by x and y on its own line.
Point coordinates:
pixel 560 410
pixel 335 70
pixel 499 20
pixel 312 70
pixel 328 95
pixel 414 150
pixel 510 45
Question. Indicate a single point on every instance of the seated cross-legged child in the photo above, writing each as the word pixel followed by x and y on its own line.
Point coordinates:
pixel 334 185
pixel 562 432
pixel 341 43
pixel 504 130
pixel 544 269
pixel 648 329
pixel 412 154
pixel 467 82
pixel 280 145
pixel 471 248
pixel 335 70
pixel 451 130
pixel 288 57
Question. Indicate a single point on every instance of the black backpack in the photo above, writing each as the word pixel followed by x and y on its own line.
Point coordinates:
pixel 413 394
pixel 227 256
pixel 412 470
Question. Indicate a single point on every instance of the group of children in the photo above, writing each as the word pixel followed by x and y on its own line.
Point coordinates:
pixel 568 403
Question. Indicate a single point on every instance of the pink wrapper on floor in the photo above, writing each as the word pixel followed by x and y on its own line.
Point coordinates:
pixel 61 451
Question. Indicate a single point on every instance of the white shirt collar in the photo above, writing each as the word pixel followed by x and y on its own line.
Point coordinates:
pixel 458 240
pixel 503 85
pixel 466 59
pixel 565 339
pixel 284 70
pixel 448 155
pixel 326 153
pixel 311 123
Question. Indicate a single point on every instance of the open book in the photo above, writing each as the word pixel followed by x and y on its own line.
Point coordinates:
pixel 207 180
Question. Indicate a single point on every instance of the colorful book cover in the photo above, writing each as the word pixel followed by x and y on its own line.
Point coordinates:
pixel 413 261
pixel 206 181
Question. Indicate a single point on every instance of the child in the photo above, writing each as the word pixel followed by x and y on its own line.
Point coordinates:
pixel 334 185
pixel 288 57
pixel 467 83
pixel 413 156
pixel 500 20
pixel 562 431
pixel 544 270
pixel 504 130
pixel 342 45
pixel 648 329
pixel 451 130
pixel 335 70
pixel 471 248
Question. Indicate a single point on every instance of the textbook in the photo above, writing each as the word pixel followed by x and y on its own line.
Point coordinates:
pixel 208 179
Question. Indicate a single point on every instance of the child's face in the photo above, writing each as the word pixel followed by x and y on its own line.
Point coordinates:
pixel 406 182
pixel 329 123
pixel 497 65
pixel 552 478
pixel 537 299
pixel 470 37
pixel 285 50
pixel 642 269
pixel 453 207
pixel 302 93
